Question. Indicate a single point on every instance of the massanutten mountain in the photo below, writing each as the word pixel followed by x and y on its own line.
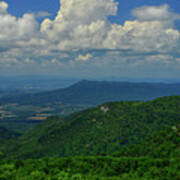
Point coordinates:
pixel 101 130
pixel 98 92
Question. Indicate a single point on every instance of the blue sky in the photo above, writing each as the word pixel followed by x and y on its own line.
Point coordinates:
pixel 87 39
pixel 19 7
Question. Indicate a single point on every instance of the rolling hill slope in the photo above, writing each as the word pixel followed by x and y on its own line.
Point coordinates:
pixel 96 131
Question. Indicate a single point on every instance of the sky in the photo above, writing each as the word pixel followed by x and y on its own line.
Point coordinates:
pixel 90 38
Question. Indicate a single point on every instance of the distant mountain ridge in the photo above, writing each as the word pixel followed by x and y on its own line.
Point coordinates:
pixel 97 92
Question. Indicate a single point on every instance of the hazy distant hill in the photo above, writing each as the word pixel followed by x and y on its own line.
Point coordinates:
pixel 34 83
pixel 97 92
pixel 101 130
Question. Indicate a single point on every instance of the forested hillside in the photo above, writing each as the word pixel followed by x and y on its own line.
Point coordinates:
pixel 6 134
pixel 156 158
pixel 97 131
pixel 161 144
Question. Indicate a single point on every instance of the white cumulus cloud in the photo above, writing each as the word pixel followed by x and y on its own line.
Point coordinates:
pixel 3 7
pixel 12 28
pixel 151 13
pixel 83 25
pixel 142 36
pixel 79 23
